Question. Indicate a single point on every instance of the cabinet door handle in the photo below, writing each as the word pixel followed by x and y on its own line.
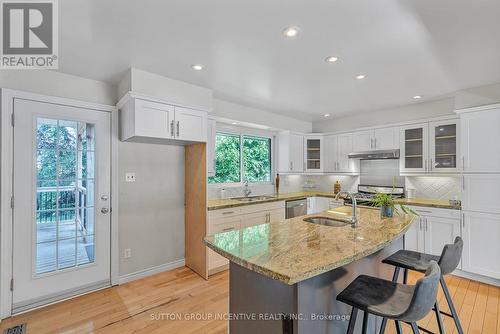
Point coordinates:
pixel 463 182
pixel 463 220
pixel 426 225
pixel 463 162
pixel 178 130
pixel 430 165
pixel 375 141
pixel 171 128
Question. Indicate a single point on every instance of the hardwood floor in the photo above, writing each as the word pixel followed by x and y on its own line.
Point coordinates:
pixel 145 306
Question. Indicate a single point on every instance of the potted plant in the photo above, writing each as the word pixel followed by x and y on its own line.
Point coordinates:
pixel 387 205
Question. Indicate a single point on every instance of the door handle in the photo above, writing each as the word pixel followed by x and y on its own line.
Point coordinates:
pixel 104 197
pixel 178 130
pixel 171 128
pixel 104 210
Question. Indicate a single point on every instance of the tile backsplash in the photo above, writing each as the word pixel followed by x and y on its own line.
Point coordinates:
pixel 290 183
pixel 435 187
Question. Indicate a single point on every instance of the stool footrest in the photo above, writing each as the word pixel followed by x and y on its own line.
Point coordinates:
pixel 421 328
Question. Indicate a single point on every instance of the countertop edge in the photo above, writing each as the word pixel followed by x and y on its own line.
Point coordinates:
pixel 406 201
pixel 291 281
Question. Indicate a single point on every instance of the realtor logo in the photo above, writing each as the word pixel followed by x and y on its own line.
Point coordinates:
pixel 29 34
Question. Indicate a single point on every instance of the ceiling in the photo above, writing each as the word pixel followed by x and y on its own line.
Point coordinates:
pixel 404 47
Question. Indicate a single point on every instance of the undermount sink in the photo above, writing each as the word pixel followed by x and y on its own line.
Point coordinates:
pixel 327 221
pixel 252 198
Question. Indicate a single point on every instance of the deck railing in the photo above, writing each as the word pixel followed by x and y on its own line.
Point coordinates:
pixel 47 198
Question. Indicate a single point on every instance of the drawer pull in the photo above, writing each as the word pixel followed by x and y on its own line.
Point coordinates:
pixel 423 211
pixel 228 229
pixel 227 212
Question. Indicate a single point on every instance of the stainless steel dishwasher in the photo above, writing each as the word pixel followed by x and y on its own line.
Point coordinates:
pixel 295 208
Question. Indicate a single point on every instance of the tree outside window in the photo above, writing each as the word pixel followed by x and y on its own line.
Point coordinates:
pixel 234 151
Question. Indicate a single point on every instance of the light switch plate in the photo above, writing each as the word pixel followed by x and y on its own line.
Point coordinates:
pixel 127 253
pixel 129 177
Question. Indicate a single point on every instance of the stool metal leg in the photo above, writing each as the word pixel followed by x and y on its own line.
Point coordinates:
pixel 352 321
pixel 439 318
pixel 452 307
pixel 405 276
pixel 414 327
pixel 395 277
pixel 365 322
pixel 399 330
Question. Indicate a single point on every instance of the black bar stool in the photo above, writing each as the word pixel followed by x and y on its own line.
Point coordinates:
pixel 448 262
pixel 392 300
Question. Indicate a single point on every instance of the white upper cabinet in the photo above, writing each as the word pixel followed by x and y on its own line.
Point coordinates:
pixel 363 141
pixel 336 151
pixel 430 147
pixel 386 138
pixel 211 128
pixel 480 141
pixel 414 148
pixel 290 152
pixel 331 153
pixel 377 139
pixel 313 153
pixel 190 125
pixel 444 146
pixel 143 119
pixel 481 193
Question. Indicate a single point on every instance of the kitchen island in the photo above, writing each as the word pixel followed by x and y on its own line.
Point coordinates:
pixel 284 276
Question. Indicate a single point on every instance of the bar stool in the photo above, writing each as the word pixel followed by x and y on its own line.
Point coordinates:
pixel 392 300
pixel 448 262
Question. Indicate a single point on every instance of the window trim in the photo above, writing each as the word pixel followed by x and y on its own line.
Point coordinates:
pixel 241 132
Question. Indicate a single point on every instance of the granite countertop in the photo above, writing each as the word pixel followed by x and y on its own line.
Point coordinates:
pixel 294 250
pixel 215 204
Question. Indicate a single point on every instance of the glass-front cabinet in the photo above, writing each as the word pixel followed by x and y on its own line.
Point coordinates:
pixel 430 147
pixel 313 153
pixel 444 146
pixel 414 148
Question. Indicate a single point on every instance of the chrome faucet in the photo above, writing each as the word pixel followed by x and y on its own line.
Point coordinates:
pixel 354 218
pixel 246 189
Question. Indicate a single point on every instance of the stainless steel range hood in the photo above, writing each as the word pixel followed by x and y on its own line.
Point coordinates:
pixel 375 155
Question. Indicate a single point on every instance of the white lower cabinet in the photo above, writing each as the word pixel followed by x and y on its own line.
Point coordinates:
pixel 226 220
pixel 481 233
pixel 414 237
pixel 432 230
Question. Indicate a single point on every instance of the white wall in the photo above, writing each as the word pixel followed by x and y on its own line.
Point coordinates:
pixel 152 208
pixel 173 91
pixel 238 112
pixel 477 96
pixel 59 84
pixel 410 112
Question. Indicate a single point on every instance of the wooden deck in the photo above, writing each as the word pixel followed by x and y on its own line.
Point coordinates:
pixel 144 306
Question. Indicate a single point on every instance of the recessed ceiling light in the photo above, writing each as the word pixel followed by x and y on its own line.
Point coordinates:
pixel 197 67
pixel 326 115
pixel 360 76
pixel 416 97
pixel 290 32
pixel 331 59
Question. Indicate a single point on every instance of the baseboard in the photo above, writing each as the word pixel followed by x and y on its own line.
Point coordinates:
pixel 150 271
pixel 476 277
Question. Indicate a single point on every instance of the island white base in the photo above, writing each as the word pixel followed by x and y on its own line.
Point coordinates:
pixel 259 304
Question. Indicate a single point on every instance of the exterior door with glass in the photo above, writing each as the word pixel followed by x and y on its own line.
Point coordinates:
pixel 61 220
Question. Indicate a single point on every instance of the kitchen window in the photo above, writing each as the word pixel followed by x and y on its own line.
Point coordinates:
pixel 240 157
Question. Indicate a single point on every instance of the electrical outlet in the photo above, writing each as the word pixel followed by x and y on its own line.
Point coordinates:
pixel 129 177
pixel 127 253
